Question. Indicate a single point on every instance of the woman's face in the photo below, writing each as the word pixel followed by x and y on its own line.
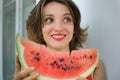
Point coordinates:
pixel 58 26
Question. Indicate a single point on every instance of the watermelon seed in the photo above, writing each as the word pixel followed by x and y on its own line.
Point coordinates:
pixel 58 66
pixel 64 68
pixel 90 56
pixel 53 63
pixel 85 56
pixel 37 54
pixel 61 59
pixel 37 58
pixel 68 67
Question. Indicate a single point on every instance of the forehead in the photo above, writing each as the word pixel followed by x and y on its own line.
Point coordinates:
pixel 56 7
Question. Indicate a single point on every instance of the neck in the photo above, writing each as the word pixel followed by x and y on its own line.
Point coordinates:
pixel 58 50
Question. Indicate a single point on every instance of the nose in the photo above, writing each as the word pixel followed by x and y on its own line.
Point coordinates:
pixel 58 26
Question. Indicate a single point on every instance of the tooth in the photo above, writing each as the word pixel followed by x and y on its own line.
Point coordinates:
pixel 58 36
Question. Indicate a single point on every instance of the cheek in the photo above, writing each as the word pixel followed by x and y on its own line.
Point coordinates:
pixel 46 30
pixel 71 29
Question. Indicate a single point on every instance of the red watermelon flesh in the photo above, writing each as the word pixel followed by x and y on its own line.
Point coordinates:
pixel 59 65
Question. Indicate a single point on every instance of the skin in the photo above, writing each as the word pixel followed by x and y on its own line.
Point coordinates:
pixel 58 27
pixel 23 74
pixel 57 31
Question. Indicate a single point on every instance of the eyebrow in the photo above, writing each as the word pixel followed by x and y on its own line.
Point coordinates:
pixel 49 15
pixel 64 14
pixel 67 14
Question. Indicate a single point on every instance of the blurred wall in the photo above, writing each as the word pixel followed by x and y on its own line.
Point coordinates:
pixel 8 37
pixel 1 67
pixel 13 14
pixel 103 18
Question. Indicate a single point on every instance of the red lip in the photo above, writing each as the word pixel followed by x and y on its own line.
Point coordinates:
pixel 58 37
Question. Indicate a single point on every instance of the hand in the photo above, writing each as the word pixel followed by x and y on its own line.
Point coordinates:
pixel 80 78
pixel 23 74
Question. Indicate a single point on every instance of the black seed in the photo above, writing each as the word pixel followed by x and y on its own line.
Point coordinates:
pixel 85 56
pixel 52 64
pixel 37 58
pixel 90 56
pixel 61 59
pixel 37 54
pixel 63 68
pixel 55 62
pixel 58 66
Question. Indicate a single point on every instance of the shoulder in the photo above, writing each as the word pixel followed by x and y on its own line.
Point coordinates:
pixel 100 63
pixel 100 72
pixel 100 67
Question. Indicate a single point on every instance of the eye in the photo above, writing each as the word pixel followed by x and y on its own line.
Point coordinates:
pixel 67 19
pixel 49 20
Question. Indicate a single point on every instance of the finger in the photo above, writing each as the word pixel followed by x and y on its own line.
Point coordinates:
pixel 32 77
pixel 25 72
pixel 18 66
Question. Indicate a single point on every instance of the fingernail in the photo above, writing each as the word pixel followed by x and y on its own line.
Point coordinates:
pixel 37 74
pixel 32 68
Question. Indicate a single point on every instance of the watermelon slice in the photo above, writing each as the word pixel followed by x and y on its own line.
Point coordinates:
pixel 59 65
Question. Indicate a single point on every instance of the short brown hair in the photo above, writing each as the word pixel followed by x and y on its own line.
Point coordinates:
pixel 34 23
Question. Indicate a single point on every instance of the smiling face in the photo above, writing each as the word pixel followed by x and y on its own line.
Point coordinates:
pixel 58 26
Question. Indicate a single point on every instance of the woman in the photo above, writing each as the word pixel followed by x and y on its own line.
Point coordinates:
pixel 56 24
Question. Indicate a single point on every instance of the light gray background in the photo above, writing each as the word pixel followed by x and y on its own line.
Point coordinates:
pixel 103 18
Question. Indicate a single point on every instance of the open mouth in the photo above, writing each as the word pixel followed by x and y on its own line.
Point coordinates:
pixel 58 37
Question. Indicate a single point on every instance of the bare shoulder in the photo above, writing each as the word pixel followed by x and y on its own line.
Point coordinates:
pixel 101 64
pixel 100 72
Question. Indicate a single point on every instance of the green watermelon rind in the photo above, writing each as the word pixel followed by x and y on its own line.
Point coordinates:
pixel 48 78
pixel 20 50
